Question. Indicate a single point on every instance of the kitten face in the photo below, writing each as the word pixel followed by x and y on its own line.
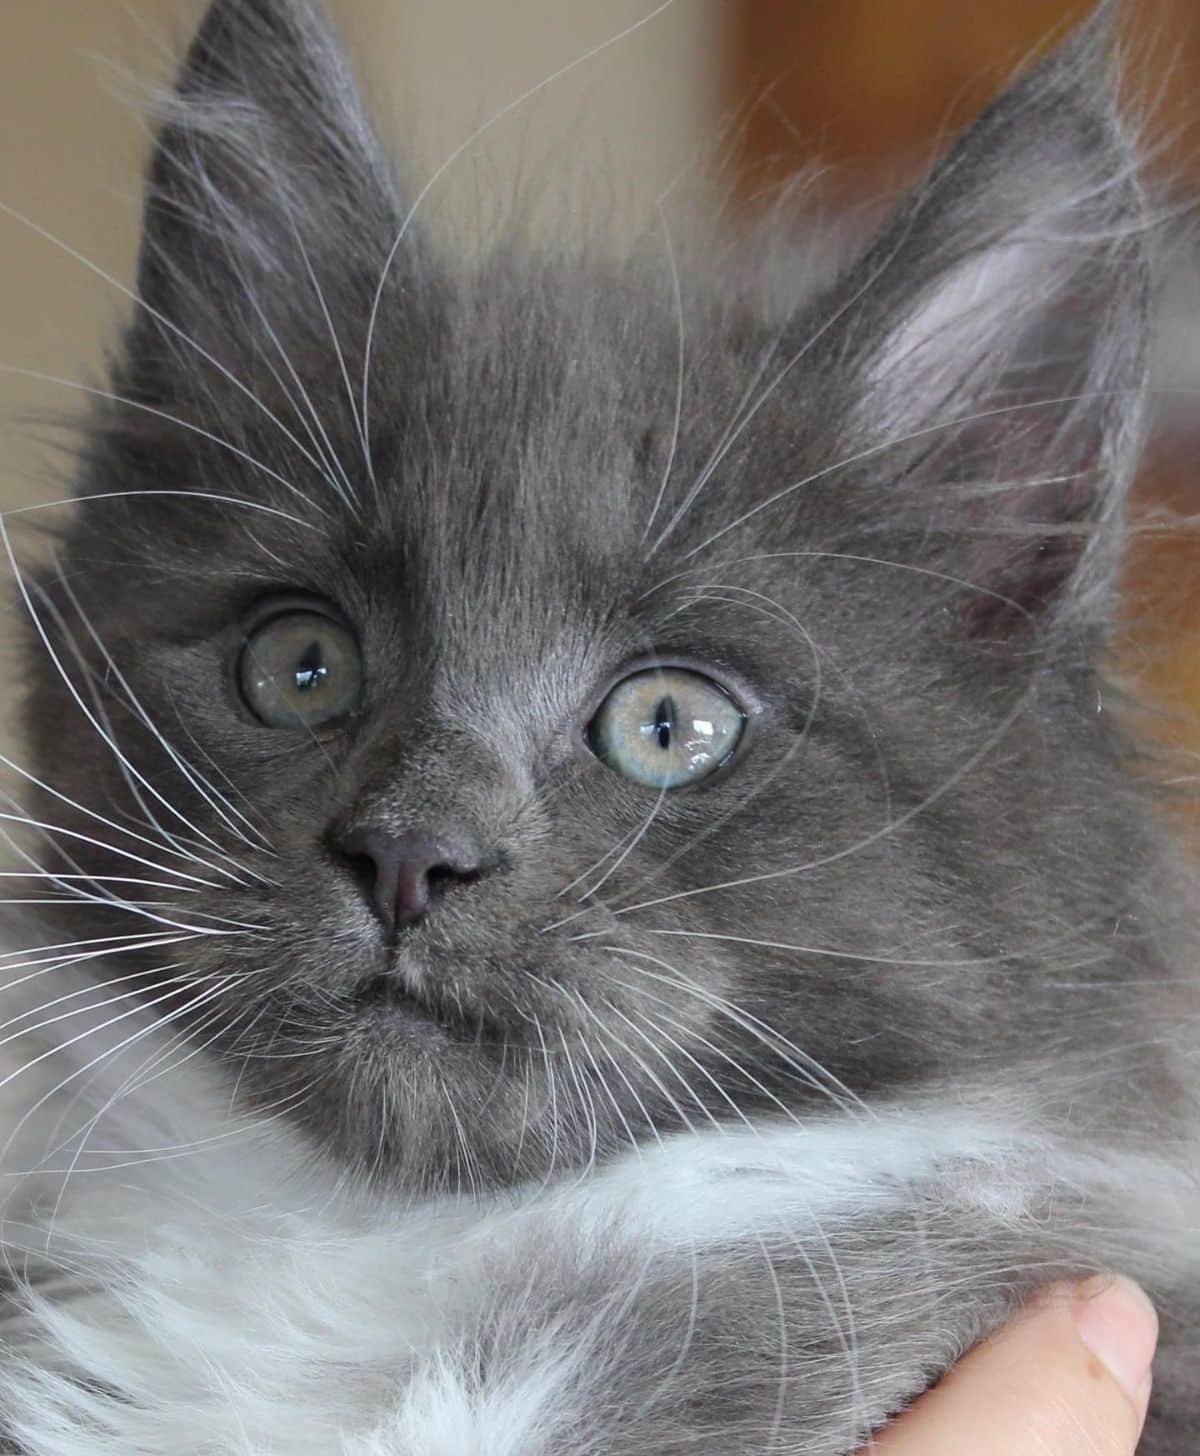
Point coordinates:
pixel 443 922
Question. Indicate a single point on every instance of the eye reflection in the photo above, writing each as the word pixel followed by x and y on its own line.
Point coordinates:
pixel 666 727
pixel 301 669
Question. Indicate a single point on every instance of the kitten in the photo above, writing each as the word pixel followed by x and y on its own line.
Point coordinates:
pixel 598 903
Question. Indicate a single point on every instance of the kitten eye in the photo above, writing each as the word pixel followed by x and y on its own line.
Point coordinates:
pixel 666 727
pixel 300 670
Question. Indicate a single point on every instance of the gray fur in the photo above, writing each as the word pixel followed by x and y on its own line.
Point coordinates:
pixel 890 521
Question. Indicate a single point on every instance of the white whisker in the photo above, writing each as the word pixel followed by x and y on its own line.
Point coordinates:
pixel 160 319
pixel 992 741
pixel 211 795
pixel 134 404
pixel 441 171
pixel 738 425
pixel 807 1067
pixel 881 448
pixel 677 292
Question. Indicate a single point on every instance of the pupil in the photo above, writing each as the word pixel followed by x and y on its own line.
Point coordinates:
pixel 310 670
pixel 664 722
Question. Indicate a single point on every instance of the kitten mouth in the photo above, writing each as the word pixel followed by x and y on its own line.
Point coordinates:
pixel 388 997
pixel 387 994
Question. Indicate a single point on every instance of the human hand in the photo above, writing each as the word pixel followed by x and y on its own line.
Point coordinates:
pixel 1069 1377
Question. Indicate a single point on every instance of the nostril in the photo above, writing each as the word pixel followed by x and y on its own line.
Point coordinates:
pixel 361 868
pixel 443 877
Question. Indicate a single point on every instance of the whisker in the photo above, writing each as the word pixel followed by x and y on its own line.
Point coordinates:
pixel 140 1157
pixel 183 979
pixel 125 402
pixel 973 760
pixel 732 1062
pixel 87 989
pixel 611 1095
pixel 652 1126
pixel 93 879
pixel 161 319
pixel 48 965
pixel 552 1089
pixel 891 444
pixel 623 848
pixel 72 945
pixel 588 1104
pixel 738 426
pixel 211 795
pixel 659 1030
pixel 93 686
pixel 91 717
pixel 595 865
pixel 815 555
pixel 333 333
pixel 263 845
pixel 651 1076
pixel 158 1064
pixel 55 1051
pixel 440 172
pixel 673 265
pixel 165 848
pixel 866 958
pixel 807 1067
pixel 330 466
pixel 76 834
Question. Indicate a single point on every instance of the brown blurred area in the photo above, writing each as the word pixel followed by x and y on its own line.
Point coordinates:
pixel 872 86
pixel 873 89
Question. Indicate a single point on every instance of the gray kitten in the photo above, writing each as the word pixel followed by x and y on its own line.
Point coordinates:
pixel 629 926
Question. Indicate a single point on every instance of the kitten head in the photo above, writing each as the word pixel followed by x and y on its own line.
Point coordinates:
pixel 533 734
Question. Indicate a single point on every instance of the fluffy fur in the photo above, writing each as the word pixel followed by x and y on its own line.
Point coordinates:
pixel 722 1118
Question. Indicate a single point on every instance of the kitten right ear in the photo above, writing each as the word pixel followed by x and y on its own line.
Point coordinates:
pixel 993 342
pixel 267 179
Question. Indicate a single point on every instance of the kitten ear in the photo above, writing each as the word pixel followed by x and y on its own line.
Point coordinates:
pixel 266 178
pixel 997 333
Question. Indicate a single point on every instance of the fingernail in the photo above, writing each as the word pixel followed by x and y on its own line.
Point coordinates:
pixel 1117 1322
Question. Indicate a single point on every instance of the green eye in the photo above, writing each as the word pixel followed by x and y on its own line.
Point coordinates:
pixel 301 670
pixel 666 727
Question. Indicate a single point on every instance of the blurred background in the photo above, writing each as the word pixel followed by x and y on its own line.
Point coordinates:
pixel 629 95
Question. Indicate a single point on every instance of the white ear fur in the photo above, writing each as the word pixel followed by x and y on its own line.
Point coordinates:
pixel 998 304
pixel 966 322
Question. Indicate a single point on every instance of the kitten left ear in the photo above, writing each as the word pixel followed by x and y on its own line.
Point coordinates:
pixel 266 175
pixel 995 337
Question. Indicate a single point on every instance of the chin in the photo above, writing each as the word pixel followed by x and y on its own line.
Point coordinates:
pixel 403 1079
